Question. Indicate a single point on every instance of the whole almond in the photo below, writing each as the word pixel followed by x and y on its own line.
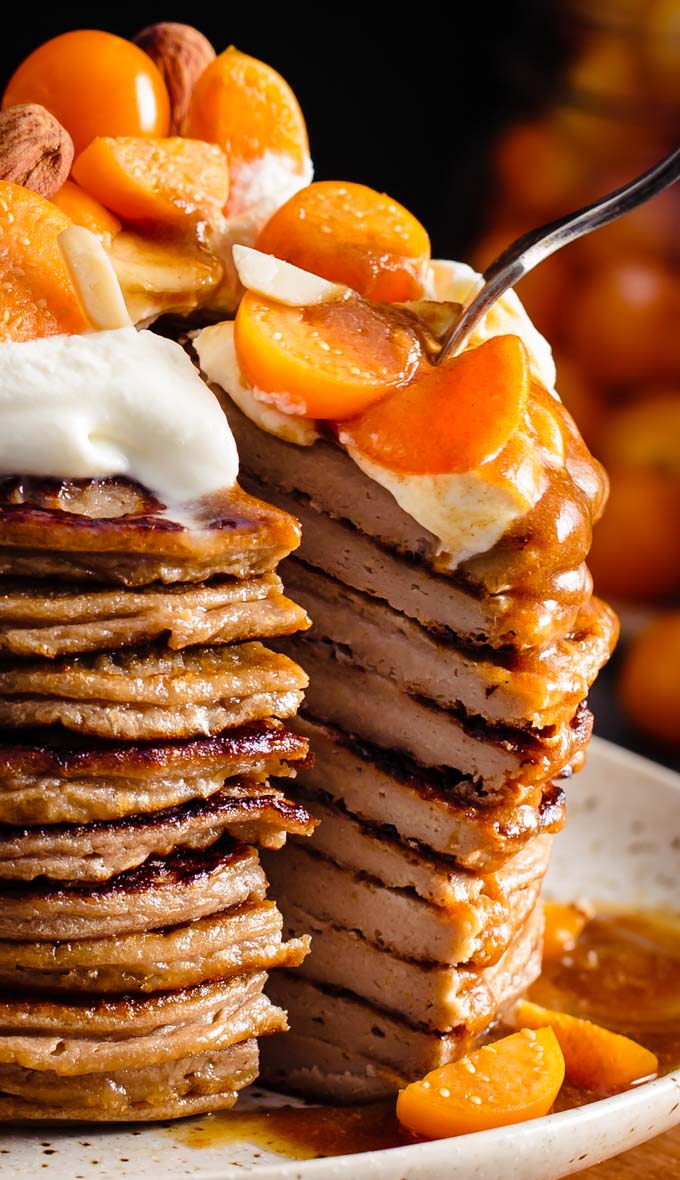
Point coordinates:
pixel 181 54
pixel 35 150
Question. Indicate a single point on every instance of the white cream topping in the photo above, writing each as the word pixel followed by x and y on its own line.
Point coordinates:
pixel 455 280
pixel 258 189
pixel 117 402
pixel 467 513
pixel 217 354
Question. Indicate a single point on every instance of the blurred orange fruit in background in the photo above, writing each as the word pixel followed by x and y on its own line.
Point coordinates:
pixel 649 684
pixel 636 545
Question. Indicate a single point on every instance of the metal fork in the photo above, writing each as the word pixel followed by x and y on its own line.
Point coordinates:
pixel 524 254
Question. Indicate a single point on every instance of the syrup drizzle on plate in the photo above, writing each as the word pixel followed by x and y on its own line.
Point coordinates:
pixel 623 973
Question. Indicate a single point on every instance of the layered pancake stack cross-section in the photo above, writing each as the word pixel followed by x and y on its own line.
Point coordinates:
pixel 142 718
pixel 447 700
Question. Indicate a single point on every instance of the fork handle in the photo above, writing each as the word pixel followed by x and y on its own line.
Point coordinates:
pixel 526 252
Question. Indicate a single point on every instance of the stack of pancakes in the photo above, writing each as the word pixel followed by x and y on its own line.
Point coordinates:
pixel 445 706
pixel 141 719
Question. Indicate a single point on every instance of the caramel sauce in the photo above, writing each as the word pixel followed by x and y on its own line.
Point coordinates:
pixel 623 973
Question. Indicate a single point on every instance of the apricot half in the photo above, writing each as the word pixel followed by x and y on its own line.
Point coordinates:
pixel 324 360
pixel 515 1079
pixel 350 234
pixel 36 294
pixel 450 418
pixel 162 180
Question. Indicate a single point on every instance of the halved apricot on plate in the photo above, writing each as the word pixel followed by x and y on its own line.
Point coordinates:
pixel 515 1079
pixel 324 360
pixel 160 180
pixel 36 295
pixel 451 418
pixel 351 234
pixel 595 1058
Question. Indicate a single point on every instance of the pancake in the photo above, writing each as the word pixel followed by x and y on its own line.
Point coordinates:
pixel 434 810
pixel 375 851
pixel 74 1037
pixel 62 621
pixel 529 689
pixel 343 1047
pixel 246 938
pixel 163 891
pixel 173 1089
pixel 50 777
pixel 98 851
pixel 494 756
pixel 474 929
pixel 152 692
pixel 116 532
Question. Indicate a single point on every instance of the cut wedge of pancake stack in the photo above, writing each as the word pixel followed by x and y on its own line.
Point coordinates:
pixel 142 718
pixel 445 710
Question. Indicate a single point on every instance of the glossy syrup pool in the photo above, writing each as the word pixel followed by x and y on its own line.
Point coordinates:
pixel 624 973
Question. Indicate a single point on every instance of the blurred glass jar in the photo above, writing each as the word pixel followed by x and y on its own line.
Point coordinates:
pixel 610 304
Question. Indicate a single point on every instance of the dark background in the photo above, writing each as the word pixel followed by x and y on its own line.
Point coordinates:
pixel 413 114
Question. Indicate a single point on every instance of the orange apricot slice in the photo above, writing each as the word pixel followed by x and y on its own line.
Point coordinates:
pixel 247 108
pixel 515 1079
pixel 323 360
pixel 95 84
pixel 36 294
pixel 563 924
pixel 450 418
pixel 164 180
pixel 351 234
pixel 86 210
pixel 595 1058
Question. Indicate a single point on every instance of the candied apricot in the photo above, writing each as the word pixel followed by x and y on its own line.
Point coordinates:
pixel 594 1057
pixel 511 1081
pixel 36 294
pixel 649 683
pixel 144 179
pixel 95 84
pixel 86 210
pixel 636 546
pixel 325 360
pixel 449 418
pixel 247 108
pixel 351 234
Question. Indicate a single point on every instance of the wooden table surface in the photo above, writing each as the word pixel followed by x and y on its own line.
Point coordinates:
pixel 657 1160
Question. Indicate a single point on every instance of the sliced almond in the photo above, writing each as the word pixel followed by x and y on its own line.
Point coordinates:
pixel 281 281
pixel 94 279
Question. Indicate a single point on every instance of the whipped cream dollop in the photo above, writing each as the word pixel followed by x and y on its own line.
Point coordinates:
pixel 117 402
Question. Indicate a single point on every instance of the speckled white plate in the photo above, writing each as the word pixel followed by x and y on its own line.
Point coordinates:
pixel 621 845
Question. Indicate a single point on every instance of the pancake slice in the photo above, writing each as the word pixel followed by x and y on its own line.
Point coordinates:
pixel 245 938
pixel 174 1089
pixel 67 621
pixel 163 891
pixel 51 777
pixel 152 693
pixel 98 851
